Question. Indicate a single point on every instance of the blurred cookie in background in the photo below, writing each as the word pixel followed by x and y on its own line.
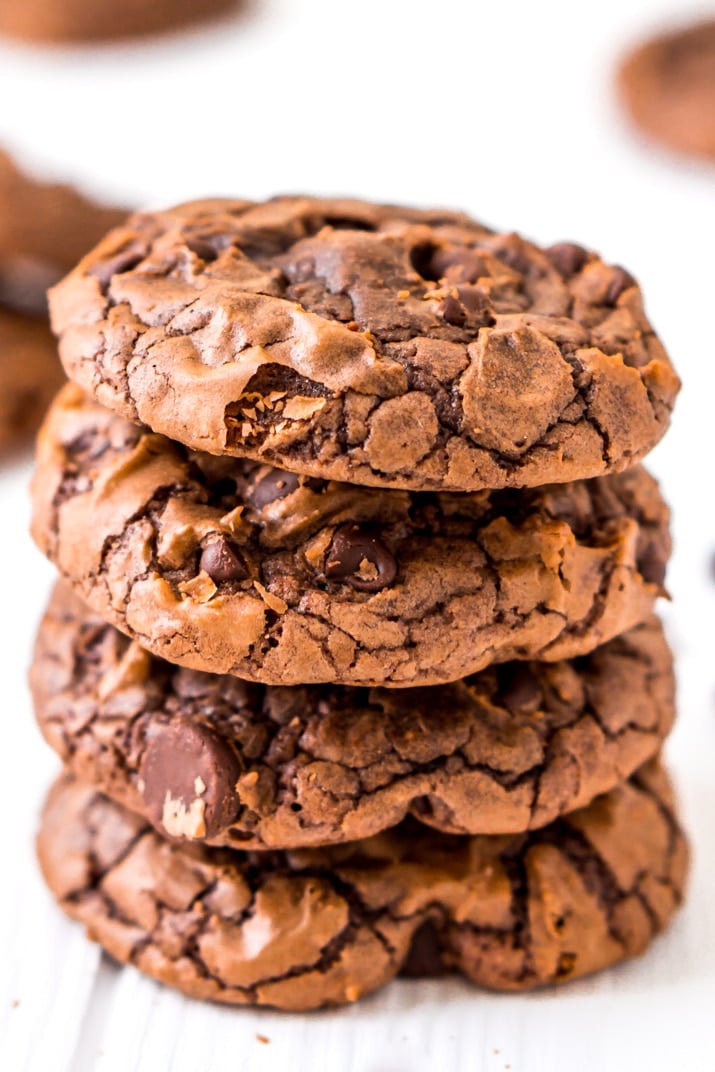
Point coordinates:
pixel 44 230
pixel 29 376
pixel 89 20
pixel 667 85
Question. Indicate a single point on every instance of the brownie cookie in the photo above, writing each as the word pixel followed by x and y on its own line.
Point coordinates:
pixel 225 565
pixel 44 230
pixel 507 750
pixel 313 927
pixel 668 87
pixel 365 343
pixel 80 20
pixel 29 376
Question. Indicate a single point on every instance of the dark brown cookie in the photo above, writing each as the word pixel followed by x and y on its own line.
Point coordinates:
pixel 44 230
pixel 224 565
pixel 231 763
pixel 377 345
pixel 29 376
pixel 668 87
pixel 314 927
pixel 89 20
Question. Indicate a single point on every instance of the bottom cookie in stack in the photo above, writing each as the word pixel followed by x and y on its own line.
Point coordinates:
pixel 311 927
pixel 268 877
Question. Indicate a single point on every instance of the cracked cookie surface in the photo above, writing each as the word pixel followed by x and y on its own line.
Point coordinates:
pixel 371 344
pixel 216 759
pixel 668 86
pixel 225 565
pixel 314 927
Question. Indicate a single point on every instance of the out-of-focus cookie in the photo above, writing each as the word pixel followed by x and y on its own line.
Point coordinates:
pixel 44 230
pixel 314 927
pixel 367 343
pixel 668 87
pixel 30 374
pixel 225 565
pixel 89 20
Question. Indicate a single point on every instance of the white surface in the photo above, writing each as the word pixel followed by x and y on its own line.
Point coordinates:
pixel 504 109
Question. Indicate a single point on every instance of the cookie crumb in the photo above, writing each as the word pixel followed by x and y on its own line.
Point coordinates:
pixel 263 1039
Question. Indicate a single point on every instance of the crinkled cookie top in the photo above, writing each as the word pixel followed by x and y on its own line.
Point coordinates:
pixel 372 344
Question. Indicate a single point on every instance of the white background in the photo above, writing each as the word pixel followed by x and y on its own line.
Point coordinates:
pixel 502 108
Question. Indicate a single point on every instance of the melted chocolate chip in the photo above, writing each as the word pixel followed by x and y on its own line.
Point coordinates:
pixel 567 258
pixel 122 261
pixel 222 560
pixel 275 485
pixel 518 688
pixel 202 248
pixel 361 559
pixel 457 265
pixel 188 776
pixel 476 302
pixel 652 564
pixel 469 303
pixel 620 281
pixel 452 310
pixel 424 959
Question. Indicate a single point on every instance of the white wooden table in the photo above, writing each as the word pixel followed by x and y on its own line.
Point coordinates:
pixel 505 110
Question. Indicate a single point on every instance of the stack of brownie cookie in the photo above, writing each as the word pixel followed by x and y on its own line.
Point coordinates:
pixel 353 665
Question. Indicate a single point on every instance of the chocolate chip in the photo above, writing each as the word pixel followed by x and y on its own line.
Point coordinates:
pixel 452 310
pixel 222 560
pixel 652 563
pixel 275 485
pixel 202 248
pixel 424 959
pixel 620 281
pixel 469 303
pixel 518 688
pixel 476 302
pixel 360 558
pixel 121 261
pixel 188 776
pixel 457 265
pixel 567 257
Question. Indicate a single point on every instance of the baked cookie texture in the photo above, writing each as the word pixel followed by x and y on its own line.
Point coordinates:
pixel 228 566
pixel 314 927
pixel 220 760
pixel 366 343
pixel 667 85
pixel 30 374
pixel 83 20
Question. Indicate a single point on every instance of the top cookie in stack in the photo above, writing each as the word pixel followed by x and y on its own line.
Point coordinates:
pixel 376 345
